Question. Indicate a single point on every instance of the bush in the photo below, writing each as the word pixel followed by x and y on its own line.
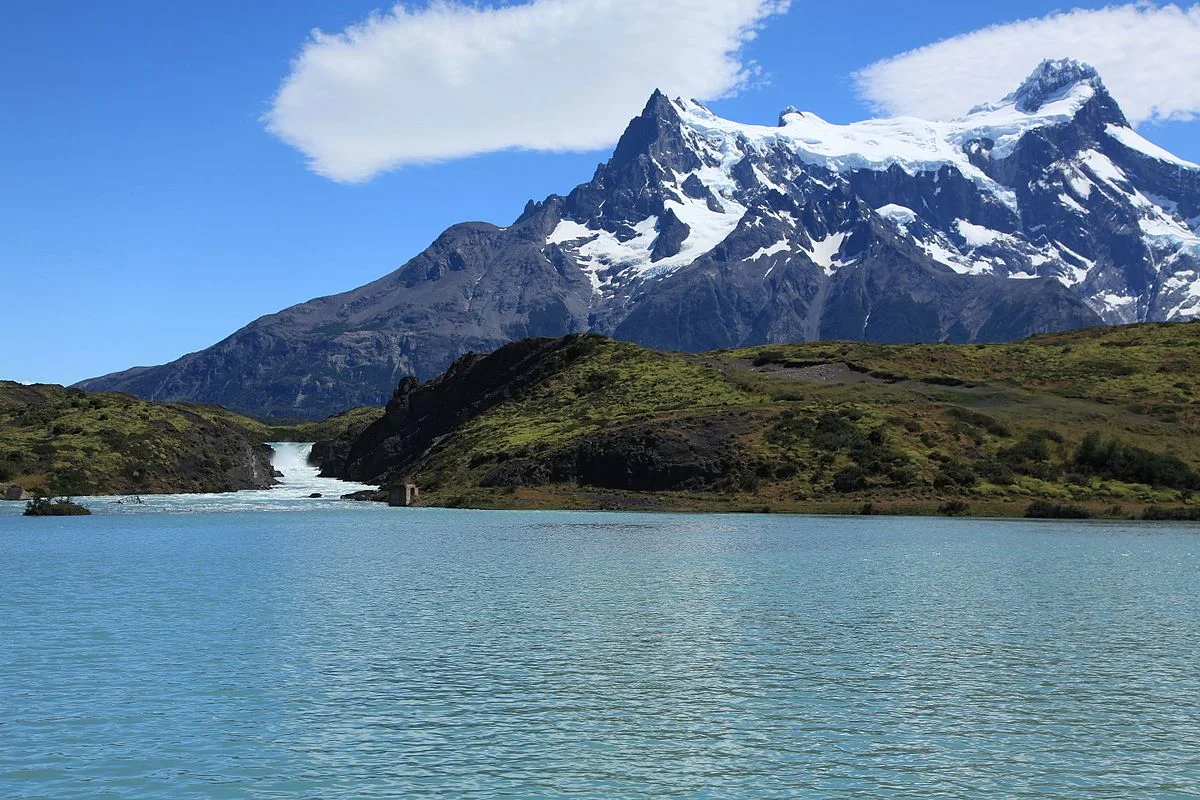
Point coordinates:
pixel 978 420
pixel 69 482
pixel 769 357
pixel 954 508
pixel 1117 460
pixel 954 473
pixel 1180 513
pixel 850 479
pixel 995 472
pixel 1044 509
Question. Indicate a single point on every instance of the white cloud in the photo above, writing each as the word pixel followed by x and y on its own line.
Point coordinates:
pixel 1148 56
pixel 451 79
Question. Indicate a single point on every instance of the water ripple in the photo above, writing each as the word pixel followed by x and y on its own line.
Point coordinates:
pixel 357 653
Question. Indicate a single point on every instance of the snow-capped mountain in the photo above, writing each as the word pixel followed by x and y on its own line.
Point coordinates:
pixel 1042 211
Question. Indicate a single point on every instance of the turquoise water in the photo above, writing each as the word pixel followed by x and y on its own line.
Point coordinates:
pixel 341 650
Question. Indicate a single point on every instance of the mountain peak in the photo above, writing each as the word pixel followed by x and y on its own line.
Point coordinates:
pixel 1053 77
pixel 787 112
pixel 656 128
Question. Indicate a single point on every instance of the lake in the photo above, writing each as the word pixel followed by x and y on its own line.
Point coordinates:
pixel 332 649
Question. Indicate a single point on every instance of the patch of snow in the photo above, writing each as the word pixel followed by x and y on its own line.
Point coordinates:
pixel 569 231
pixel 914 145
pixel 1162 232
pixel 778 247
pixel 1190 305
pixel 824 252
pixel 1071 203
pixel 708 229
pixel 1114 301
pixel 1180 279
pixel 1021 276
pixel 1079 271
pixel 946 255
pixel 1134 141
pixel 900 216
pixel 601 253
pixel 976 235
pixel 1102 167
pixel 1118 308
pixel 1080 185
pixel 1004 123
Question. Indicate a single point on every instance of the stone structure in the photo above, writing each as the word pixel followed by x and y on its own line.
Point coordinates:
pixel 404 494
pixel 15 492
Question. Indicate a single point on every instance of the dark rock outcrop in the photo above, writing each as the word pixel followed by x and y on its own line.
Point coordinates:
pixel 421 415
pixel 689 455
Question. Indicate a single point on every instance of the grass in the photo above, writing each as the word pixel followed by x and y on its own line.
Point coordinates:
pixel 68 442
pixel 356 419
pixel 972 429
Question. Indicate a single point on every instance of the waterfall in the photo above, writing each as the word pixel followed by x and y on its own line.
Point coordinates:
pixel 291 458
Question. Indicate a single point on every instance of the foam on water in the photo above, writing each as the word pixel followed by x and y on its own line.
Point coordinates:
pixel 300 480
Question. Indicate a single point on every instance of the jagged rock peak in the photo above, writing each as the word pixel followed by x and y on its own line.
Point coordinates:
pixel 783 115
pixel 1052 77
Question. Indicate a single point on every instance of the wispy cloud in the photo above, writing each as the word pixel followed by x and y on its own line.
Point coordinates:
pixel 455 79
pixel 1148 56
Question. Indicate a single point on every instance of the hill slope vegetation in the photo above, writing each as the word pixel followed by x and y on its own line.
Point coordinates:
pixel 1093 422
pixel 69 442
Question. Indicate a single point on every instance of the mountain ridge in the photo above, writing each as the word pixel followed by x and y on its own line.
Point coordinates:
pixel 1040 212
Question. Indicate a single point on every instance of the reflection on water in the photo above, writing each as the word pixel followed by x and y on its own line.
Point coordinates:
pixel 368 652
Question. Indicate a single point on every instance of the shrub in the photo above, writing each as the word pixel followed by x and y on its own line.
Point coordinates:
pixel 995 472
pixel 68 482
pixel 850 479
pixel 1044 509
pixel 1180 513
pixel 769 357
pixel 977 420
pixel 954 508
pixel 954 473
pixel 1120 461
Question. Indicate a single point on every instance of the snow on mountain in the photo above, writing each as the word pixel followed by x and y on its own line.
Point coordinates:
pixel 1057 175
pixel 1040 211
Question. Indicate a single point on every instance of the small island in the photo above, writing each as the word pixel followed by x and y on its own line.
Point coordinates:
pixel 45 507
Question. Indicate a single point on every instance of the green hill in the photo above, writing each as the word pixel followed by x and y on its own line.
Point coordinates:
pixel 1099 421
pixel 68 442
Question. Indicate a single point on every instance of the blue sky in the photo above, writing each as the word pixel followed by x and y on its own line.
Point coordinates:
pixel 147 212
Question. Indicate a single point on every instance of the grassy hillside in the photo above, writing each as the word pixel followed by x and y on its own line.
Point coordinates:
pixel 1097 421
pixel 350 422
pixel 68 442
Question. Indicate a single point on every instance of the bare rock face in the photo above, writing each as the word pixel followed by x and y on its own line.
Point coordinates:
pixel 13 492
pixel 1043 211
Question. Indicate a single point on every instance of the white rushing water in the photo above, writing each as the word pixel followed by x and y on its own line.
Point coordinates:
pixel 301 479
pixel 294 493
